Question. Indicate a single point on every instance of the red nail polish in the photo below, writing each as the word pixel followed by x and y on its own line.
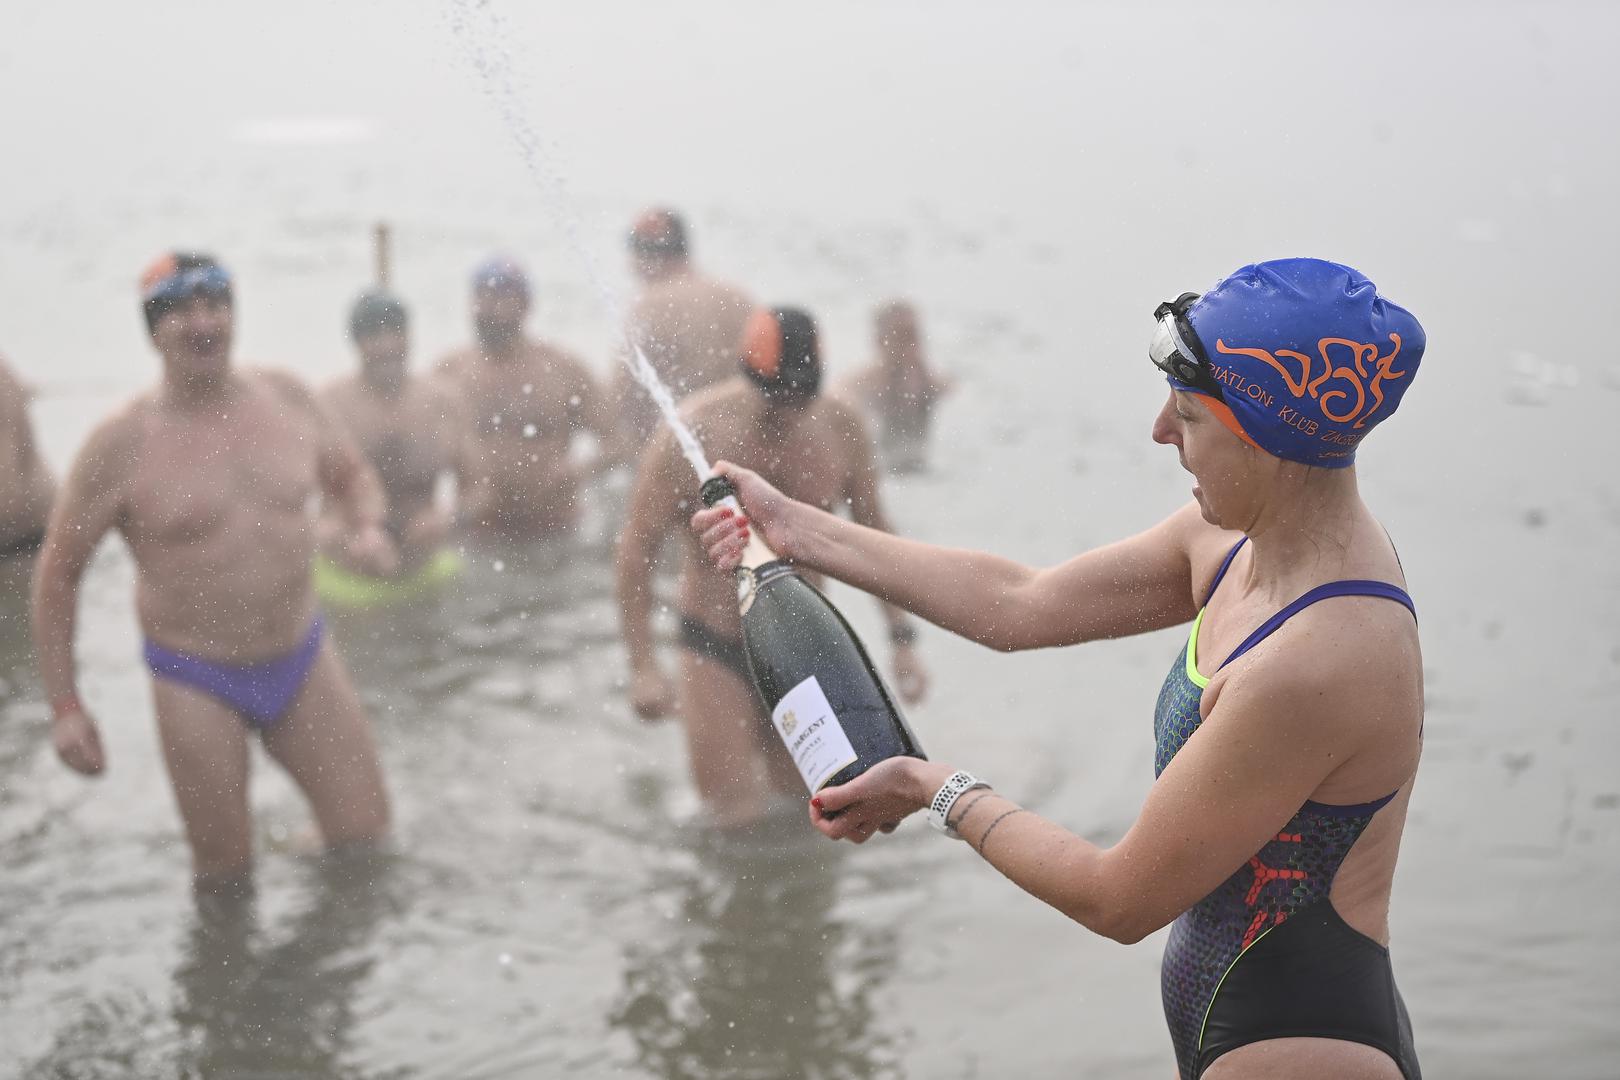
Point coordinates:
pixel 725 511
pixel 816 803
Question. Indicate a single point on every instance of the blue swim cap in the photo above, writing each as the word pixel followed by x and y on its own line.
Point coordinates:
pixel 500 272
pixel 1309 357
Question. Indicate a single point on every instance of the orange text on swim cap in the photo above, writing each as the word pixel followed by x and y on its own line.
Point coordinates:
pixel 1346 381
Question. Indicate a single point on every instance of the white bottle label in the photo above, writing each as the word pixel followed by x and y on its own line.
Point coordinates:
pixel 812 734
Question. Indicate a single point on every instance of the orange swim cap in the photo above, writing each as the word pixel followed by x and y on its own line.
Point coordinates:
pixel 659 231
pixel 762 344
pixel 780 354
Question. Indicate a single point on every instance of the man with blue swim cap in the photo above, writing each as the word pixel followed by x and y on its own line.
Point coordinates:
pixel 208 477
pixel 1300 358
pixel 528 400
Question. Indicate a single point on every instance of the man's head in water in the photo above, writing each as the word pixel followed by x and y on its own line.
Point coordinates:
pixel 187 300
pixel 378 327
pixel 1277 374
pixel 658 244
pixel 780 355
pixel 899 338
pixel 500 302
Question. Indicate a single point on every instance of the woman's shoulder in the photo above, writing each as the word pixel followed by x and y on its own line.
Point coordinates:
pixel 1209 549
pixel 1350 662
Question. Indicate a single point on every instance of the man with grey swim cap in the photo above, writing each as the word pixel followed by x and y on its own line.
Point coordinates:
pixel 414 432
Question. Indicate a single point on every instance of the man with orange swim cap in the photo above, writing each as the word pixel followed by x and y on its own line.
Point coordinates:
pixel 773 416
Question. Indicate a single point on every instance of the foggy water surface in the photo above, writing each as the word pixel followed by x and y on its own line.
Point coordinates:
pixel 1036 177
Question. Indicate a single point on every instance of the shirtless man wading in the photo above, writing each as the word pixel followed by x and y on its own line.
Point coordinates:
pixel 412 431
pixel 772 417
pixel 26 487
pixel 209 479
pixel 527 399
pixel 686 323
pixel 899 390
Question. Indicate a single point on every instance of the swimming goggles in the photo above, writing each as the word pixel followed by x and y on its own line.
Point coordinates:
pixel 181 284
pixel 1175 351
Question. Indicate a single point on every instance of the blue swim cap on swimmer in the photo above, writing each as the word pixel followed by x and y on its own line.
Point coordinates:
pixel 177 276
pixel 500 272
pixel 1309 356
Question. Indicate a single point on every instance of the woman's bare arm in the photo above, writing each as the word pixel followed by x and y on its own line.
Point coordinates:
pixel 1138 584
pixel 1273 736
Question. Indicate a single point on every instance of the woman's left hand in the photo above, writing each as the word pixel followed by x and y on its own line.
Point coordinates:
pixel 878 799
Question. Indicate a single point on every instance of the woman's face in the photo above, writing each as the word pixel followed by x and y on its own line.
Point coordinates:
pixel 1230 476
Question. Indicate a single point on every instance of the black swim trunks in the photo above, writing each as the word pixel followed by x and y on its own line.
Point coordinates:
pixel 711 644
pixel 26 543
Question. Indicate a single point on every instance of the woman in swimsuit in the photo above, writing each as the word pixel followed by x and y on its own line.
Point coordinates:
pixel 1288 730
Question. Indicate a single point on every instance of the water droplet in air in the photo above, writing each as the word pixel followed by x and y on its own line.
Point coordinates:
pixel 530 431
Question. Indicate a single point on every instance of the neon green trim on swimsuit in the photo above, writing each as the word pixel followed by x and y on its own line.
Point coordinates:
pixel 340 587
pixel 1211 1006
pixel 1192 653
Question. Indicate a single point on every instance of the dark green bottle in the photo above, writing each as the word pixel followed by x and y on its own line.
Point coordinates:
pixel 832 709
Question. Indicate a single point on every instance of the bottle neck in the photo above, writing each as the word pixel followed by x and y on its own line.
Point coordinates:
pixel 757 553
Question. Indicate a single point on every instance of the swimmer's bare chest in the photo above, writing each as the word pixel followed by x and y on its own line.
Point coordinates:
pixel 410 442
pixel 217 517
pixel 530 399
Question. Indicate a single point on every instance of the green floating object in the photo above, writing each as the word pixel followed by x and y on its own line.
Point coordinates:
pixel 343 588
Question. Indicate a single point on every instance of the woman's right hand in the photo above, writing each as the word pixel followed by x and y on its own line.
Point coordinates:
pixel 77 742
pixel 723 534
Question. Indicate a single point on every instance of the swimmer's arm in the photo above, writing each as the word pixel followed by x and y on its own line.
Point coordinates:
pixel 14 414
pixel 349 483
pixel 653 512
pixel 1128 587
pixel 866 508
pixel 475 493
pixel 1274 735
pixel 91 504
pixel 331 526
pixel 350 488
pixel 595 413
pixel 1253 762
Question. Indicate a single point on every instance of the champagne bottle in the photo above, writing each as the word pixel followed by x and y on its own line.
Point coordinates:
pixel 827 701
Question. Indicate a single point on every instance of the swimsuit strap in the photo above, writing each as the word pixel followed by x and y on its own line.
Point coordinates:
pixel 1226 564
pixel 1349 587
